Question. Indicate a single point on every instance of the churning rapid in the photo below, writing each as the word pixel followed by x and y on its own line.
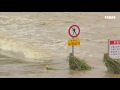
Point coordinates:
pixel 42 36
pixel 12 42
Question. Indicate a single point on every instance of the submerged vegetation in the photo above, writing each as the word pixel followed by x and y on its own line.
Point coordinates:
pixel 74 64
pixel 77 64
pixel 49 68
pixel 113 65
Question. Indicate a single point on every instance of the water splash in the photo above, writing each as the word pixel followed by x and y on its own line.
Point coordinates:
pixel 20 49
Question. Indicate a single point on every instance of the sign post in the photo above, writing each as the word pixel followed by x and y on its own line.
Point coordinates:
pixel 108 46
pixel 74 31
pixel 73 48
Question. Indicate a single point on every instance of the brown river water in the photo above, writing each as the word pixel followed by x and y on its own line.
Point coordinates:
pixel 31 40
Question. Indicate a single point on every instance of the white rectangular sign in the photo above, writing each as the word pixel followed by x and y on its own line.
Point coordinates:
pixel 114 49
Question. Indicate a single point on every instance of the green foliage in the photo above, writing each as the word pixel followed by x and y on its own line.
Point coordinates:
pixel 113 65
pixel 77 64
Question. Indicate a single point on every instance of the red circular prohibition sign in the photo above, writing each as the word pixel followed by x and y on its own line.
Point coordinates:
pixel 72 28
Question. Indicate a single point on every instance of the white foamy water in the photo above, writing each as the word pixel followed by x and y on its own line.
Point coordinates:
pixel 20 49
pixel 42 36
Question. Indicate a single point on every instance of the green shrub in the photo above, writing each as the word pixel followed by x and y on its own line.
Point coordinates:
pixel 113 65
pixel 77 64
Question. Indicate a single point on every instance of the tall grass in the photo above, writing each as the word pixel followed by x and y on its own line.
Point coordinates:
pixel 113 65
pixel 77 64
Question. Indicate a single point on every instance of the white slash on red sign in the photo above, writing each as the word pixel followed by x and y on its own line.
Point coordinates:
pixel 114 49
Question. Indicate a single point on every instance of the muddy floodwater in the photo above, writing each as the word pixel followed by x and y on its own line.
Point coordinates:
pixel 31 40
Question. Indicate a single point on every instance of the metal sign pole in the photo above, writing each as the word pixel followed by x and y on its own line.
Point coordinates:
pixel 108 46
pixel 73 47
